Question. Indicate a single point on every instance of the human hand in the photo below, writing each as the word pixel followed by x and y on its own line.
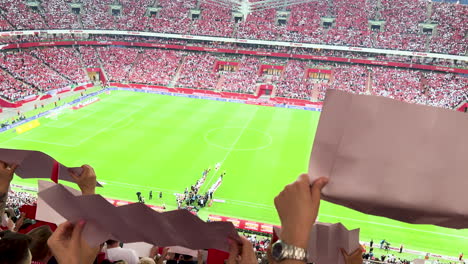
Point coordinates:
pixel 200 257
pixel 163 256
pixel 6 175
pixel 86 180
pixel 68 247
pixel 354 258
pixel 241 253
pixel 154 252
pixel 11 225
pixel 19 222
pixel 297 207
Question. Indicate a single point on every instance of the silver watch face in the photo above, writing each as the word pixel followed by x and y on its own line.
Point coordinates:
pixel 277 250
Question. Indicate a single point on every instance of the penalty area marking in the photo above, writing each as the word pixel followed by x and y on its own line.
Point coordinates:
pixel 209 142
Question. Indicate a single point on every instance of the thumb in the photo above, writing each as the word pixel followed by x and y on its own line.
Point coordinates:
pixel 13 167
pixel 233 252
pixel 75 176
pixel 77 231
pixel 247 249
pixel 316 191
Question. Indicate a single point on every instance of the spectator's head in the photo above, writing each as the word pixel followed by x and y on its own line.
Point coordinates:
pixel 14 248
pixel 112 243
pixel 39 249
pixel 147 261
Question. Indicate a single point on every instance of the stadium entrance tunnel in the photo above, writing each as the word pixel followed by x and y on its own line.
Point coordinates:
pixel 238 138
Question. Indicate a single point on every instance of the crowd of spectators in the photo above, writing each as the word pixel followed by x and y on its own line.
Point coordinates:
pixel 213 22
pixel 451 30
pixel 25 67
pixel 57 15
pixel 244 80
pixel 294 83
pixel 89 57
pixel 26 241
pixel 29 71
pixel 350 78
pixel 63 60
pixel 17 199
pixel 13 89
pixel 445 90
pixel 118 62
pixel 403 85
pixel 155 66
pixel 401 29
pixel 245 46
pixel 197 71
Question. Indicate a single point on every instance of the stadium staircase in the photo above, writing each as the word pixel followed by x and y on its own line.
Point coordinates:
pixel 20 79
pixel 220 83
pixel 428 43
pixel 6 19
pixel 369 83
pixel 429 11
pixel 52 68
pixel 177 75
pixel 81 61
pixel 80 20
pixel 132 68
pixel 101 65
pixel 41 12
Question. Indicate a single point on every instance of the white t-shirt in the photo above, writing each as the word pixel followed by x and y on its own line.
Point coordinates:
pixel 129 255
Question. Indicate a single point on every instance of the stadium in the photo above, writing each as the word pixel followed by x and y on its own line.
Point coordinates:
pixel 213 106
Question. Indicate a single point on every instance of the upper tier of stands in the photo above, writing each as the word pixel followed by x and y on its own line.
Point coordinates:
pixel 400 29
pixel 34 70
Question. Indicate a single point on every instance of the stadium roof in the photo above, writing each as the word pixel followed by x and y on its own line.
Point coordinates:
pixel 247 6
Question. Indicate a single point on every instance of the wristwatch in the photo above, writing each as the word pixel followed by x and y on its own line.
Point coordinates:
pixel 281 251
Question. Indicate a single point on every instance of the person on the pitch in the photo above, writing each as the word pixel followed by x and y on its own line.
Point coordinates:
pixel 151 195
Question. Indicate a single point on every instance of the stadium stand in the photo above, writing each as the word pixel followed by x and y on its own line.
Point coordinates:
pixel 155 67
pixel 60 67
pixel 25 67
pixel 35 71
pixel 401 28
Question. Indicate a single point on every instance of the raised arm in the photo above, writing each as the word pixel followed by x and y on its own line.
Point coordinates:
pixel 86 180
pixel 297 207
pixel 6 175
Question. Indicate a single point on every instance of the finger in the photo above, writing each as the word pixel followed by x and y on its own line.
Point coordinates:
pixel 13 167
pixel 316 190
pixel 303 181
pixel 86 169
pixel 77 231
pixel 61 231
pixel 247 249
pixel 233 252
pixel 3 165
pixel 74 175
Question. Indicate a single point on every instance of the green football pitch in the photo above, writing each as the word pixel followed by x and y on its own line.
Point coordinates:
pixel 142 142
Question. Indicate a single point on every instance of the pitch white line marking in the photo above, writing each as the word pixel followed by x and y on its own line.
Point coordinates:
pixel 232 148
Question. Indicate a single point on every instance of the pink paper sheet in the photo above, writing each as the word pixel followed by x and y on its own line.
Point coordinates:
pixel 137 222
pixel 36 164
pixel 388 158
